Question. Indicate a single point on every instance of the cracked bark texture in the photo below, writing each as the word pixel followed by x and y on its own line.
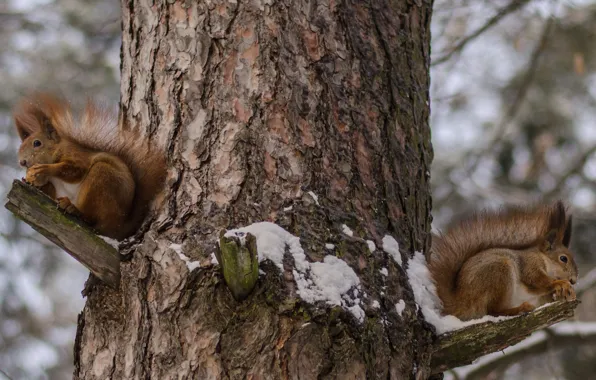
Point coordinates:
pixel 259 103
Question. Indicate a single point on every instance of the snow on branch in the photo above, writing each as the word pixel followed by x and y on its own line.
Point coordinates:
pixel 67 232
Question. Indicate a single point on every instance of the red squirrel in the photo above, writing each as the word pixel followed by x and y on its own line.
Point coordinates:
pixel 106 175
pixel 505 262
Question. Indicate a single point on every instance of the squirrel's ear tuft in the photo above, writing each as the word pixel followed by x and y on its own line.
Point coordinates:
pixel 567 235
pixel 550 240
pixel 23 126
pixel 557 220
pixel 48 128
pixel 35 114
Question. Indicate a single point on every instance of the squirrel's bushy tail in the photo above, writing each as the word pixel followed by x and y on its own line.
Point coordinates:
pixel 513 228
pixel 146 162
pixel 97 129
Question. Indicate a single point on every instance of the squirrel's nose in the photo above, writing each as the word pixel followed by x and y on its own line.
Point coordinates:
pixel 573 281
pixel 23 162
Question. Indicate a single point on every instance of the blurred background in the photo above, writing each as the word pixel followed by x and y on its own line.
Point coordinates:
pixel 513 121
pixel 71 47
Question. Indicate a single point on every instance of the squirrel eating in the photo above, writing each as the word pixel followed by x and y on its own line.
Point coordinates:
pixel 504 262
pixel 106 175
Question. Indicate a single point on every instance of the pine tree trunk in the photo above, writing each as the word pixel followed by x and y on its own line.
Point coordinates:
pixel 258 104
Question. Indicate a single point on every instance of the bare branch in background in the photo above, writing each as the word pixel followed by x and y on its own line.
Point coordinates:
pixel 513 109
pixel 576 168
pixel 513 6
pixel 586 282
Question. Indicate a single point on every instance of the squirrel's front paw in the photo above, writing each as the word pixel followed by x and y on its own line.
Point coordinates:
pixel 562 289
pixel 36 175
pixel 65 204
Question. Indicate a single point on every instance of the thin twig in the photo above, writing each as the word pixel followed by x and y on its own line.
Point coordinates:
pixel 513 6
pixel 5 375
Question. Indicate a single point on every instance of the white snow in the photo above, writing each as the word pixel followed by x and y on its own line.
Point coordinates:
pixel 176 247
pixel 400 306
pixel 426 297
pixel 384 271
pixel 391 246
pixel 315 197
pixel 113 242
pixel 346 230
pixel 371 245
pixel 191 265
pixel 329 246
pixel 330 281
pixel 376 304
pixel 289 208
pixel 214 259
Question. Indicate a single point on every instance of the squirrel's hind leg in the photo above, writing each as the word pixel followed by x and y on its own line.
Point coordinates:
pixel 484 284
pixel 525 307
pixel 106 196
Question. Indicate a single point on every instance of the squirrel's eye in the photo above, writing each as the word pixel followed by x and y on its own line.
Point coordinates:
pixel 36 144
pixel 563 258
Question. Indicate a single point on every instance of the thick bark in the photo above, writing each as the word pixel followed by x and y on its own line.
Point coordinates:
pixel 259 103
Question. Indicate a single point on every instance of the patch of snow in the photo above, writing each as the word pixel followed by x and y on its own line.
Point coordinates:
pixel 400 306
pixel 113 242
pixel 384 271
pixel 289 208
pixel 315 197
pixel 391 246
pixel 214 259
pixel 329 246
pixel 176 247
pixel 346 230
pixel 376 304
pixel 426 298
pixel 371 245
pixel 191 265
pixel 329 281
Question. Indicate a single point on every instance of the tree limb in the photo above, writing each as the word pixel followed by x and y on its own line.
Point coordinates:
pixel 463 346
pixel 563 334
pixel 40 212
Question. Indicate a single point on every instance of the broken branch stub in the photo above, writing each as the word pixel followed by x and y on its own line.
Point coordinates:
pixel 40 212
pixel 239 262
pixel 463 346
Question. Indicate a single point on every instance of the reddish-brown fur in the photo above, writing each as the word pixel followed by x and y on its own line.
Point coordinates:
pixel 493 261
pixel 118 171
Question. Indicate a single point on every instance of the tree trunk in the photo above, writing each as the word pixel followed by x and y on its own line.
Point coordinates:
pixel 262 105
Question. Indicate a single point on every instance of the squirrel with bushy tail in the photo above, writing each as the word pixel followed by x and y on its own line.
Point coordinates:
pixel 94 168
pixel 504 262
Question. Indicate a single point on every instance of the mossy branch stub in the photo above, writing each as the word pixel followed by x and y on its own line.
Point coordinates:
pixel 39 211
pixel 239 263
